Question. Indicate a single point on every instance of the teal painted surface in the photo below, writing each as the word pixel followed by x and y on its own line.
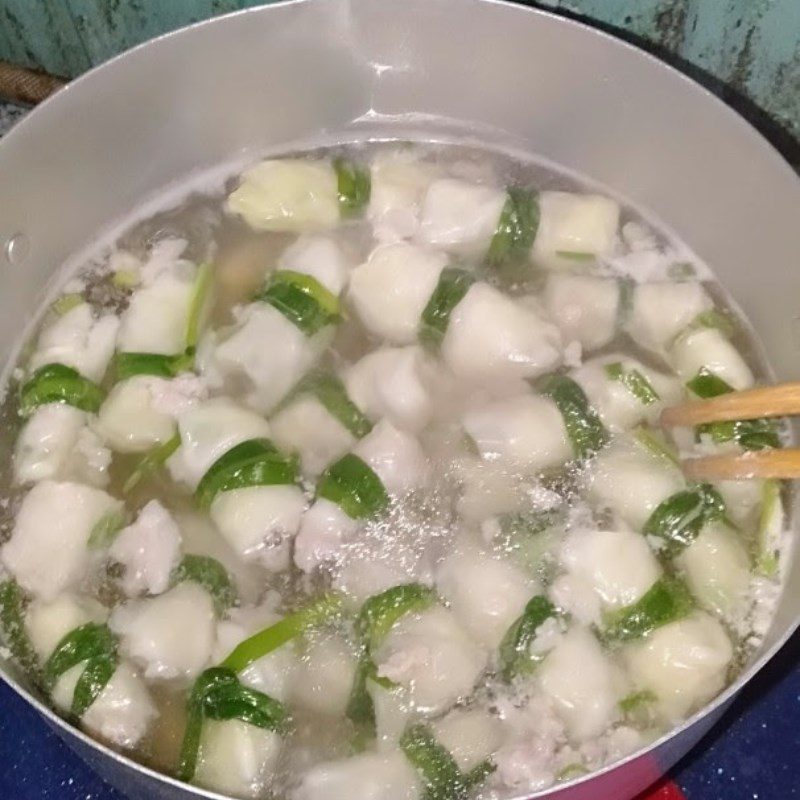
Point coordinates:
pixel 748 50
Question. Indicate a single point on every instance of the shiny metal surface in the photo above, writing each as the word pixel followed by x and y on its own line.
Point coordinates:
pixel 332 69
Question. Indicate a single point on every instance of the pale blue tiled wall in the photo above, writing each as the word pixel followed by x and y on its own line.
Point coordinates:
pixel 750 46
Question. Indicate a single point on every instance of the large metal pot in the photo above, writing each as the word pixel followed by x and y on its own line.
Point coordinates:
pixel 342 69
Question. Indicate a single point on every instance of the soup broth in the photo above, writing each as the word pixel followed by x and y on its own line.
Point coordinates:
pixel 349 475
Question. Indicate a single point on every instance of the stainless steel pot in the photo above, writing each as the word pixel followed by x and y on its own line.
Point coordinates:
pixel 337 69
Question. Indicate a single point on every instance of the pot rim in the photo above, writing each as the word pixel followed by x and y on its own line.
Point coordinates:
pixel 732 118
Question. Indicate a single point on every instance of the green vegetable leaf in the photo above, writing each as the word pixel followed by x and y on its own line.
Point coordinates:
pixel 354 186
pixel 575 255
pixel 515 649
pixel 256 462
pixel 751 434
pixel 381 611
pixel 478 774
pixel 217 694
pixel 330 391
pixel 352 484
pixel 190 746
pixel 125 279
pixel 12 624
pixel 67 302
pixel 770 525
pixel 151 463
pixel 376 618
pixel 627 287
pixel 85 643
pixel 453 284
pixel 437 768
pixel 666 601
pixel 679 519
pixel 303 300
pixel 571 771
pixel 127 365
pixel 706 384
pixel 106 528
pixel 634 382
pixel 199 304
pixel 57 383
pixel 516 229
pixel 360 708
pixel 319 612
pixel 712 318
pixel 635 700
pixel 211 575
pixel 93 680
pixel 586 433
pixel 656 444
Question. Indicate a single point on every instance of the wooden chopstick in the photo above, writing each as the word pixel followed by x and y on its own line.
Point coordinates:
pixel 768 401
pixel 780 400
pixel 744 466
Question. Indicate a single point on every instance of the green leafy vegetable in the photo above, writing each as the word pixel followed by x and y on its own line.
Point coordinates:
pixel 106 528
pixel 634 382
pixel 354 186
pixel 453 284
pixel 256 462
pixel 706 384
pixel 637 707
pixel 656 444
pixel 679 519
pixel 199 303
pixel 330 391
pixel 92 681
pixel 66 303
pixel 126 365
pixel 380 613
pixel 84 642
pixel 575 255
pixel 360 708
pixel 584 429
pixel 376 618
pixel 770 525
pixel 437 768
pixel 515 649
pixel 666 601
pixel 751 434
pixel 94 644
pixel 303 300
pixel 12 624
pixel 627 288
pixel 571 771
pixel 319 612
pixel 217 694
pixel 211 575
pixel 516 229
pixel 712 318
pixel 151 463
pixel 57 383
pixel 125 279
pixel 352 484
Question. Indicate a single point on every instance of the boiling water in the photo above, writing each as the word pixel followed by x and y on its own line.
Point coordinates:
pixel 422 529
